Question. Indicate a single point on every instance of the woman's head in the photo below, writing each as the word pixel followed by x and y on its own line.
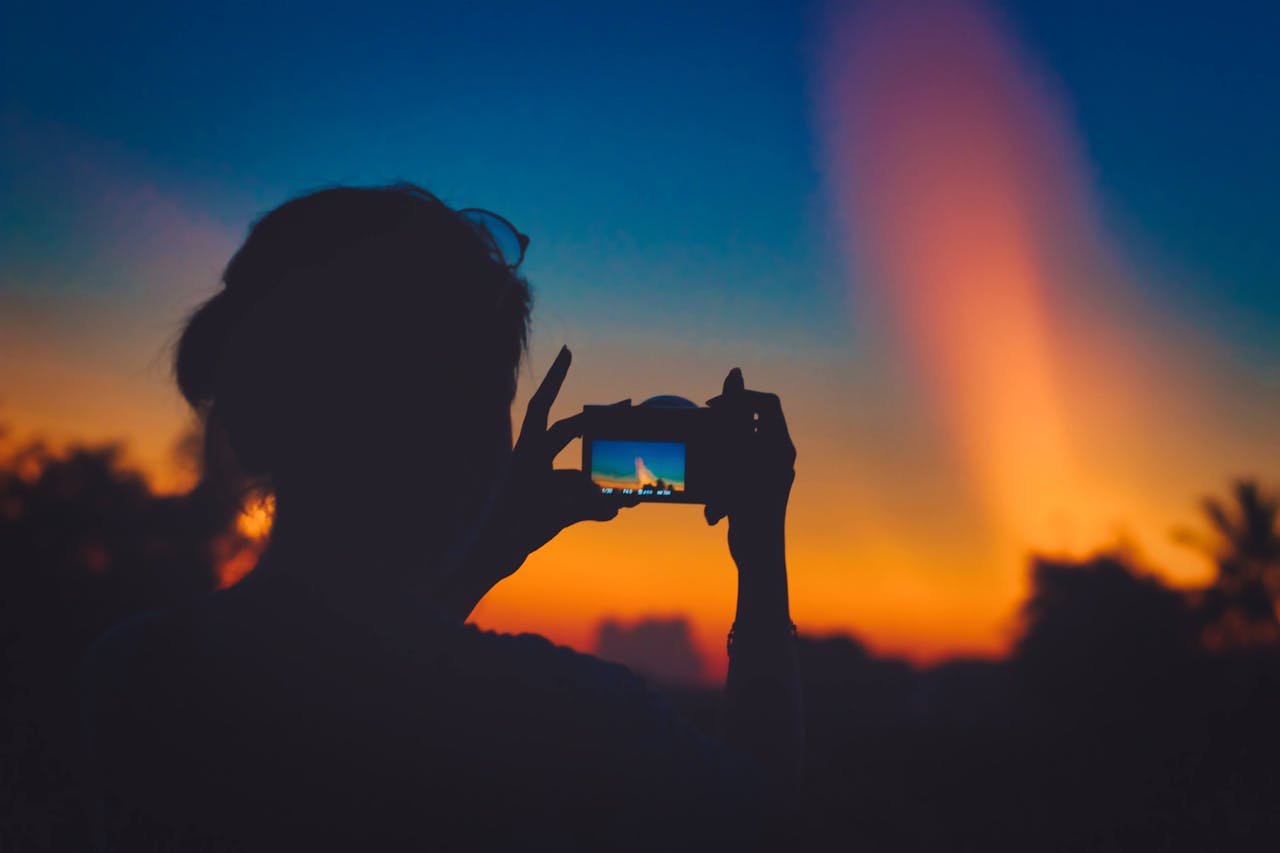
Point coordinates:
pixel 364 349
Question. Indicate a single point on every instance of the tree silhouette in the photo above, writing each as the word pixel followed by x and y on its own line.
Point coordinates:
pixel 1107 726
pixel 1101 638
pixel 84 543
pixel 1240 609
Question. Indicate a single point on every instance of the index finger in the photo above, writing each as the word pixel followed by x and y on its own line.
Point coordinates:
pixel 535 416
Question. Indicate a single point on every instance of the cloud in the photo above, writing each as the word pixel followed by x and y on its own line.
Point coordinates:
pixel 659 648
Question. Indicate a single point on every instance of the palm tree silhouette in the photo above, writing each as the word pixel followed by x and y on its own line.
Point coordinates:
pixel 1240 608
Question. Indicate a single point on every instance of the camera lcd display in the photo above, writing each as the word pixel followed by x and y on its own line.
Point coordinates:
pixel 651 469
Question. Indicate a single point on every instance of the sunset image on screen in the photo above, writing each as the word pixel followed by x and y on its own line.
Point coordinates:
pixel 657 465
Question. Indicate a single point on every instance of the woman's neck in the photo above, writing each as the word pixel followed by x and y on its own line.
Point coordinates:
pixel 348 548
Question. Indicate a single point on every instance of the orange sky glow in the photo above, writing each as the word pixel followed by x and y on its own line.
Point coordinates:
pixel 1004 388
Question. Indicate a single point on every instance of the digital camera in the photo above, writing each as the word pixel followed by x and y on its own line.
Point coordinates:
pixel 663 450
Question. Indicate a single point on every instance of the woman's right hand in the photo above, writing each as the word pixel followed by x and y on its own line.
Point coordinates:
pixel 757 470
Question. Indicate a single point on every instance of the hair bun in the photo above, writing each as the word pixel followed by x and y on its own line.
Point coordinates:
pixel 200 347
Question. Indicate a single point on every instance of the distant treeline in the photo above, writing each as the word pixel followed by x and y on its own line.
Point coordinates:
pixel 1129 716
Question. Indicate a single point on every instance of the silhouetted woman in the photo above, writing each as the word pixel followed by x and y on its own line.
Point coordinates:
pixel 361 359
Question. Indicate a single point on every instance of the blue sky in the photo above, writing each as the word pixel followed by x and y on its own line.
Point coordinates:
pixel 667 146
pixel 1178 105
pixel 616 460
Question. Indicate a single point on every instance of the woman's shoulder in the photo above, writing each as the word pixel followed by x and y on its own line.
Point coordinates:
pixel 119 653
pixel 527 657
pixel 596 699
pixel 130 683
pixel 623 734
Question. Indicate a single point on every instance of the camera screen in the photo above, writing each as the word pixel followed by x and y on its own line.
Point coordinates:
pixel 644 468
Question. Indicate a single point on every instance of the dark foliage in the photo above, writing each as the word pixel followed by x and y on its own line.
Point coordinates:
pixel 1242 607
pixel 83 544
pixel 1110 727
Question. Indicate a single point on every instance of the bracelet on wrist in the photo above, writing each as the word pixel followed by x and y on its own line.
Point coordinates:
pixel 754 634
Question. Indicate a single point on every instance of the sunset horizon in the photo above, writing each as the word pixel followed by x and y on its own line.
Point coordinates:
pixel 755 425
pixel 920 177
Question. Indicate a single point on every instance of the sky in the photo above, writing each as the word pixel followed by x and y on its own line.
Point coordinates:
pixel 1011 266
pixel 635 463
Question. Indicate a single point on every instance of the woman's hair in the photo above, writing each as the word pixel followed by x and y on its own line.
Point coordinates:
pixel 353 319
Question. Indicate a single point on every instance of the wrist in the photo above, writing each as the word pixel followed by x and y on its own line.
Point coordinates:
pixel 492 559
pixel 763 599
pixel 758 550
pixel 478 573
pixel 751 635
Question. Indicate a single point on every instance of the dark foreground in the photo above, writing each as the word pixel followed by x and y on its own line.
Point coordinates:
pixel 1112 726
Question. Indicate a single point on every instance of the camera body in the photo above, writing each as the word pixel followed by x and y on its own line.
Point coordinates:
pixel 663 450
